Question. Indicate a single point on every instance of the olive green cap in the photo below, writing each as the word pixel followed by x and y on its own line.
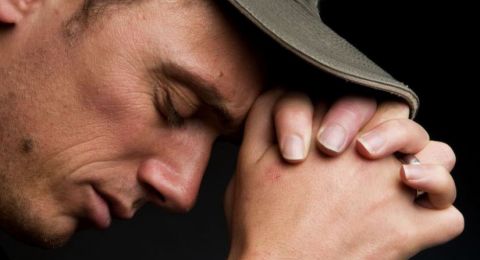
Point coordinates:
pixel 297 26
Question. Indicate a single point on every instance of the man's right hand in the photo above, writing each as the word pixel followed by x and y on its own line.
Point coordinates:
pixel 343 207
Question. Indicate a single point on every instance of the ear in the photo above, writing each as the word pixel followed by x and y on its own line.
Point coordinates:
pixel 13 11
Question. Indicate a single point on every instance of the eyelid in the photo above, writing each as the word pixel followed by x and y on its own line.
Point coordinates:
pixel 174 118
pixel 167 108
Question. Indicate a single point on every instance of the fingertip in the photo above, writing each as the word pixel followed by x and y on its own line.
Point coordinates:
pixel 294 148
pixel 416 177
pixel 327 151
pixel 342 123
pixel 332 139
pixel 364 150
pixel 293 114
pixel 403 177
pixel 294 161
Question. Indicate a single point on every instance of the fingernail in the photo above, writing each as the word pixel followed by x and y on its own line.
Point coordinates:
pixel 333 137
pixel 413 172
pixel 372 141
pixel 294 148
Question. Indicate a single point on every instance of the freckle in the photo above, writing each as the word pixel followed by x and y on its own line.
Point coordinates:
pixel 27 145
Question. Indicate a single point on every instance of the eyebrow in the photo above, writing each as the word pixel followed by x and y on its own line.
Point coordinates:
pixel 89 12
pixel 207 91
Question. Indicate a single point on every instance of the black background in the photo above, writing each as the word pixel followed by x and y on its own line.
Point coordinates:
pixel 425 45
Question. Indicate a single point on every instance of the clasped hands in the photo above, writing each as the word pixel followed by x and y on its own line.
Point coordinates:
pixel 341 193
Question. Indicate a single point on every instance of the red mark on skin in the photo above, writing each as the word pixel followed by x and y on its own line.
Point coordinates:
pixel 274 172
pixel 274 175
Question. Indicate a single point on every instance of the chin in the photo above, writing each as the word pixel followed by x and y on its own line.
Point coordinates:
pixel 51 240
pixel 46 234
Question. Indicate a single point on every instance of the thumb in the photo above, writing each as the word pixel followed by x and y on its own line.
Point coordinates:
pixel 259 132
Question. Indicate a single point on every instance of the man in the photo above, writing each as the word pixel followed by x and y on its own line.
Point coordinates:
pixel 107 105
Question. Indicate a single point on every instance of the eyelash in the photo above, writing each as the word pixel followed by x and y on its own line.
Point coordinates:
pixel 168 111
pixel 174 119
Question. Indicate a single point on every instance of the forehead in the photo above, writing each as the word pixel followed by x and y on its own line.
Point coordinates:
pixel 202 36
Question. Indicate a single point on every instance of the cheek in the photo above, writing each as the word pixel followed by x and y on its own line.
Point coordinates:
pixel 121 106
pixel 116 98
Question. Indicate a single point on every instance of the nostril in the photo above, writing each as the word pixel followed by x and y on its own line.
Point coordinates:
pixel 153 175
pixel 175 200
pixel 167 188
pixel 160 196
pixel 181 205
pixel 152 192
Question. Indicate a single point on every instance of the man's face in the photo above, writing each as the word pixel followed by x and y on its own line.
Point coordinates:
pixel 114 108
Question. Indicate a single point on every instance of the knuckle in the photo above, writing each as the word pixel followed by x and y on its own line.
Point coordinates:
pixel 268 97
pixel 457 221
pixel 288 108
pixel 358 102
pixel 445 153
pixel 348 113
pixel 396 125
pixel 396 109
pixel 298 96
pixel 415 128
pixel 445 183
pixel 354 108
pixel 293 112
pixel 408 129
pixel 442 174
pixel 422 131
pixel 294 98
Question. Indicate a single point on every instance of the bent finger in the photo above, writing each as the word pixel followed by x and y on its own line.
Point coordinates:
pixel 343 122
pixel 435 180
pixel 398 135
pixel 387 110
pixel 259 135
pixel 293 124
pixel 437 153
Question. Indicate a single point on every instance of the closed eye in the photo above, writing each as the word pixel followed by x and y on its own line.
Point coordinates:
pixel 205 90
pixel 168 110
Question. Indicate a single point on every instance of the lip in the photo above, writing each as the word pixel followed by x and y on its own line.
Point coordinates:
pixel 99 212
pixel 120 209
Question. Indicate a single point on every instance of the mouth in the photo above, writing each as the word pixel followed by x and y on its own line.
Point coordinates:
pixel 120 209
pixel 99 211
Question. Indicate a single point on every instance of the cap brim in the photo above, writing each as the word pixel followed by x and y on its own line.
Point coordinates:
pixel 298 27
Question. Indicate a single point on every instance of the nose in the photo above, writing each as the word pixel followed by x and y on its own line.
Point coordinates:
pixel 172 173
pixel 168 188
